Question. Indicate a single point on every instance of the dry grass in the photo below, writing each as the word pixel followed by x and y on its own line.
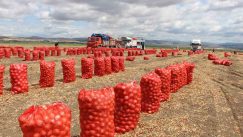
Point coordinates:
pixel 210 106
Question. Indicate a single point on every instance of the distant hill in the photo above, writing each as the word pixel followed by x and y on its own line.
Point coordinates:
pixel 169 43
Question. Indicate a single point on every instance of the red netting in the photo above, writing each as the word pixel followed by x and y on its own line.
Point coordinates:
pixel 97 112
pixel 108 69
pixel 27 55
pixel 99 69
pixel 19 80
pixel 165 77
pixel 145 58
pixel 115 65
pixel 35 55
pixel 53 120
pixel 41 55
pixel 68 69
pixel 87 67
pixel 121 63
pixel 128 106
pixel 151 92
pixel 2 67
pixel 47 74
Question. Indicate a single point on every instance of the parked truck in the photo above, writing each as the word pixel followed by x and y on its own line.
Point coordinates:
pixel 100 40
pixel 196 45
pixel 132 42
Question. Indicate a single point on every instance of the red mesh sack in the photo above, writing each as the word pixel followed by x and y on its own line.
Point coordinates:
pixel 59 51
pixel 1 53
pixel 27 55
pixel 127 106
pixel 53 52
pixel 151 92
pixel 145 58
pixel 183 77
pixel 165 77
pixel 121 53
pixel 53 120
pixel 47 52
pixel 107 53
pixel 99 69
pixel 226 54
pixel 68 69
pixel 2 67
pixel 14 51
pixel 97 54
pixel 20 53
pixel 97 112
pixel 121 63
pixel 227 63
pixel 175 78
pixel 7 53
pixel 158 55
pixel 130 58
pixel 190 53
pixel 118 53
pixel 108 69
pixel 115 65
pixel 164 54
pixel 174 53
pixel 19 80
pixel 47 74
pixel 41 55
pixel 129 53
pixel 35 54
pixel 189 68
pixel 212 57
pixel 87 67
pixel 136 53
pixel 133 53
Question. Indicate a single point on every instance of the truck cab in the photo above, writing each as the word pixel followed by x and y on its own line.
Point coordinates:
pixel 98 40
pixel 94 42
pixel 196 45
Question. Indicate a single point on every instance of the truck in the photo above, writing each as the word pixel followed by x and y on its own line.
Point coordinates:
pixel 100 40
pixel 97 40
pixel 196 44
pixel 133 42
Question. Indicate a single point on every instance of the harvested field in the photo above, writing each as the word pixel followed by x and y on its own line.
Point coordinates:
pixel 211 105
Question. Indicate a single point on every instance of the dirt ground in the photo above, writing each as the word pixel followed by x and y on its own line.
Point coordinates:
pixel 211 105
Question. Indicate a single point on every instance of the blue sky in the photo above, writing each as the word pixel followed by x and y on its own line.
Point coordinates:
pixel 209 20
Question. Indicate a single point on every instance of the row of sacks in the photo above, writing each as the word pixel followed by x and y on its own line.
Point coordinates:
pixel 218 61
pixel 89 67
pixel 150 51
pixel 162 54
pixel 224 62
pixel 77 51
pixel 212 57
pixel 13 51
pixel 102 66
pixel 227 54
pixel 169 50
pixel 28 54
pixel 134 53
pixel 40 55
pixel 110 110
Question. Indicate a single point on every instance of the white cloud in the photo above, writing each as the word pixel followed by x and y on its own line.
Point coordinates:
pixel 158 19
